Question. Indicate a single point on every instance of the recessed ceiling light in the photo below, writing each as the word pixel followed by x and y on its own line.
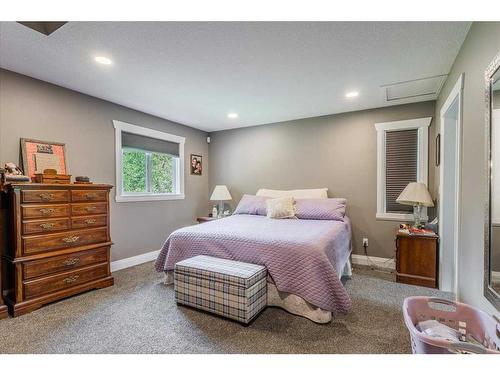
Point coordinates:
pixel 232 115
pixel 352 94
pixel 103 60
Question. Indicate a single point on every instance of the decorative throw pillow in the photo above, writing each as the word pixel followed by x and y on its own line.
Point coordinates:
pixel 281 208
pixel 320 209
pixel 251 205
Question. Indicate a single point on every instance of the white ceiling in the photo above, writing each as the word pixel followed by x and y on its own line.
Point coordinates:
pixel 195 73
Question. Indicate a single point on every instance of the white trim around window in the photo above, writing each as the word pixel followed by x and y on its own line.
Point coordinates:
pixel 422 124
pixel 140 197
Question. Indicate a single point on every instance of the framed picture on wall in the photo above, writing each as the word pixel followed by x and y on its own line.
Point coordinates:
pixel 196 165
pixel 438 150
pixel 40 155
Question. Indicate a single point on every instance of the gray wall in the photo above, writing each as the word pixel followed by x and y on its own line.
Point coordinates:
pixel 337 151
pixel 34 109
pixel 479 49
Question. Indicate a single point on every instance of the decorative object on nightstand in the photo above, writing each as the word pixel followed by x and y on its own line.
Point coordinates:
pixel 204 219
pixel 221 194
pixel 417 258
pixel 416 194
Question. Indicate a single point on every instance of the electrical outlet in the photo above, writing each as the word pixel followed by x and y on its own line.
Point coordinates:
pixel 365 242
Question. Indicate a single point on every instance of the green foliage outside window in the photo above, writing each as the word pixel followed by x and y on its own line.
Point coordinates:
pixel 135 172
pixel 162 173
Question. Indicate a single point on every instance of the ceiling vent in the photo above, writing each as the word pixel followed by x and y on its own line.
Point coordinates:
pixel 45 28
pixel 423 88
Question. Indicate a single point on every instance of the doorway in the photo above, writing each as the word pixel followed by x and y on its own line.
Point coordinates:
pixel 449 188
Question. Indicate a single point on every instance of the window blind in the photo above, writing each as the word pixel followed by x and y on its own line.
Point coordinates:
pixel 149 144
pixel 401 158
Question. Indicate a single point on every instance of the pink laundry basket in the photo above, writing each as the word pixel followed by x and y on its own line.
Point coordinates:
pixel 464 318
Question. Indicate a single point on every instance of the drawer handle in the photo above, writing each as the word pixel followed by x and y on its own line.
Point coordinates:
pixel 47 225
pixel 71 261
pixel 46 211
pixel 90 221
pixel 90 209
pixel 90 196
pixel 46 196
pixel 71 279
pixel 71 239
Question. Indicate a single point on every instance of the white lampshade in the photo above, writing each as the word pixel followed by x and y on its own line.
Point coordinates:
pixel 221 193
pixel 414 194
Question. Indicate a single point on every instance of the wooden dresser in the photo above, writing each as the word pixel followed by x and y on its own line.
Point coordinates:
pixel 3 308
pixel 57 242
pixel 417 260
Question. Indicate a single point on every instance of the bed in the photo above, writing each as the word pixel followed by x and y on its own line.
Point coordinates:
pixel 305 258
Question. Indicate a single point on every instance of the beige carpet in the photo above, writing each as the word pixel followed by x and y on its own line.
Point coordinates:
pixel 139 315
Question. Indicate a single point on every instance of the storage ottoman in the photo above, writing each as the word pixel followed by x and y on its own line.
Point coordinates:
pixel 235 290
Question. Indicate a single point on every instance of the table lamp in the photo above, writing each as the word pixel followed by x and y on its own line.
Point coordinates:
pixel 416 194
pixel 220 194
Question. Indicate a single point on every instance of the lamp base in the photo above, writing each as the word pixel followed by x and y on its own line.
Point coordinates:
pixel 220 212
pixel 417 215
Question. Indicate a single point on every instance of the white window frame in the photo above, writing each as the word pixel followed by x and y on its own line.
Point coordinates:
pixel 121 196
pixel 422 125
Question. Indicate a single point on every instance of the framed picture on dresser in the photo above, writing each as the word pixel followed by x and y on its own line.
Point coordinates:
pixel 40 155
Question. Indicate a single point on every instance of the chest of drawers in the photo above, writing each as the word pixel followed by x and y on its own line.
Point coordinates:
pixel 55 244
pixel 3 308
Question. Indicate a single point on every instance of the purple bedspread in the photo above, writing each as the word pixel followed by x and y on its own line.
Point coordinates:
pixel 303 257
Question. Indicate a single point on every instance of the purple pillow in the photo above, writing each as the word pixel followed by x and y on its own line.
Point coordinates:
pixel 251 205
pixel 320 209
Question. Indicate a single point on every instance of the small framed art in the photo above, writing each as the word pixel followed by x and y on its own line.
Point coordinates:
pixel 196 165
pixel 438 150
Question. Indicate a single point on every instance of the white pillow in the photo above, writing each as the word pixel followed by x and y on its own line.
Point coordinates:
pixel 297 194
pixel 280 208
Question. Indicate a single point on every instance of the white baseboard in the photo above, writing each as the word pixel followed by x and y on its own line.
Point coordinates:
pixel 134 261
pixel 384 263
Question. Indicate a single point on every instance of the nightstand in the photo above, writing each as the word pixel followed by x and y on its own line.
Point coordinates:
pixel 204 219
pixel 417 260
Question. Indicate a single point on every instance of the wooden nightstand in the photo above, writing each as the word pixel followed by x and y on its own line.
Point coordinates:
pixel 204 219
pixel 417 260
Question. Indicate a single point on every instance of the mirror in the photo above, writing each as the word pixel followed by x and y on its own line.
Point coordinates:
pixel 492 243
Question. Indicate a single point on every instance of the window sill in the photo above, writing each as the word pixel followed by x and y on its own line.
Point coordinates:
pixel 149 197
pixel 398 217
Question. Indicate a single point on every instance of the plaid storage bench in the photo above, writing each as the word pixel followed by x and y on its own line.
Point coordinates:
pixel 235 290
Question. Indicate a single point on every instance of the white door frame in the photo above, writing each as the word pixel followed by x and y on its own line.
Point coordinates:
pixel 455 94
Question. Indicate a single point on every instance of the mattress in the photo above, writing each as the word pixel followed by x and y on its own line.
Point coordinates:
pixel 303 257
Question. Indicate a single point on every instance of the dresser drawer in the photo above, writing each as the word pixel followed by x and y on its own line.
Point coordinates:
pixel 89 221
pixel 44 196
pixel 48 242
pixel 64 280
pixel 88 195
pixel 45 225
pixel 78 209
pixel 37 268
pixel 44 211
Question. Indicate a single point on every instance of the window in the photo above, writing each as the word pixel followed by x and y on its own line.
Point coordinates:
pixel 402 157
pixel 149 164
